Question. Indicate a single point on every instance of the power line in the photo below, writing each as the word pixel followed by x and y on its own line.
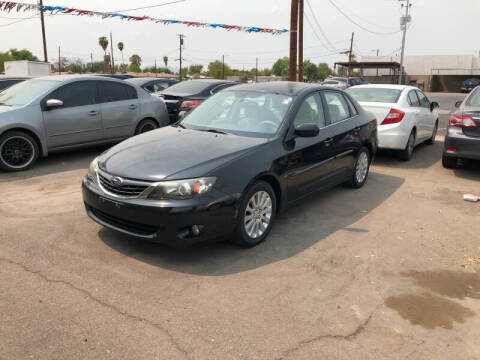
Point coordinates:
pixel 151 6
pixel 320 28
pixel 357 24
pixel 15 22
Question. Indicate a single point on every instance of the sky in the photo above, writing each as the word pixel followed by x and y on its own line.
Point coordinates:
pixel 437 27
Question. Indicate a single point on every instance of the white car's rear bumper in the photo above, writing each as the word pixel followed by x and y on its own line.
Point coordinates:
pixel 393 136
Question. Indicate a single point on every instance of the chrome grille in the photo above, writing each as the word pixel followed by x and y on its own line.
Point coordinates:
pixel 128 188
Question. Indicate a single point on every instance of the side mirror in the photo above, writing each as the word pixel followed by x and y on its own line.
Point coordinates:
pixel 434 105
pixel 458 103
pixel 53 103
pixel 307 130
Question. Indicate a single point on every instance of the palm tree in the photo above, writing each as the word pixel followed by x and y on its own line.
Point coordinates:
pixel 165 60
pixel 103 42
pixel 120 47
pixel 135 62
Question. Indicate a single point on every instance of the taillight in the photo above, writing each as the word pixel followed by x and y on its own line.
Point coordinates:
pixel 393 117
pixel 190 104
pixel 462 121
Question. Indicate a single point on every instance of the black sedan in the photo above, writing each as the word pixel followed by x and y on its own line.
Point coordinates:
pixel 187 95
pixel 151 84
pixel 229 167
pixel 470 84
pixel 463 133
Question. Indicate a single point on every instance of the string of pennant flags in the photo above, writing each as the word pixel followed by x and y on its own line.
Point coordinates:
pixel 8 6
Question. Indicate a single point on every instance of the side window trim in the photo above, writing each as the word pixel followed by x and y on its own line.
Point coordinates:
pixel 416 96
pixel 326 107
pixel 96 95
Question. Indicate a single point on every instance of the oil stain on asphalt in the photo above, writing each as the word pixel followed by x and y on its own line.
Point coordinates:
pixel 433 308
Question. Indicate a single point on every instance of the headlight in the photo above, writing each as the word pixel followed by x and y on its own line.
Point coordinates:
pixel 182 189
pixel 92 169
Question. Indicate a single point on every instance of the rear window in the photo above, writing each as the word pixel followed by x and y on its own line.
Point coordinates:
pixel 375 95
pixel 474 99
pixel 190 87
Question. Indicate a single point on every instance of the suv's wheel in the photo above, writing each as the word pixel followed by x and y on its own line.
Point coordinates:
pixel 406 154
pixel 360 170
pixel 449 162
pixel 431 141
pixel 255 215
pixel 18 151
pixel 146 125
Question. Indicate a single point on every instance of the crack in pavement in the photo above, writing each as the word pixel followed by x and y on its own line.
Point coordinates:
pixel 102 303
pixel 357 331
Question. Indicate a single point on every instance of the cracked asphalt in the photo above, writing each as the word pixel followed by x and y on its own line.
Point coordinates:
pixel 384 272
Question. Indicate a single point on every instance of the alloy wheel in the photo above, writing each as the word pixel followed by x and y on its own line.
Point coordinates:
pixel 362 167
pixel 258 214
pixel 17 152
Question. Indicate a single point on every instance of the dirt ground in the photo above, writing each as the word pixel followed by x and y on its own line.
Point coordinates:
pixel 390 271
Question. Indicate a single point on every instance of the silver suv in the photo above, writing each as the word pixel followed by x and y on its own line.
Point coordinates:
pixel 55 113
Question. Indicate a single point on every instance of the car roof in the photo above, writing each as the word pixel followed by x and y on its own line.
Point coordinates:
pixel 145 79
pixel 384 86
pixel 213 81
pixel 280 87
pixel 6 77
pixel 70 78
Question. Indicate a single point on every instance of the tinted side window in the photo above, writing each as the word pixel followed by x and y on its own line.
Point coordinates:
pixel 7 83
pixel 337 106
pixel 80 93
pixel 423 100
pixel 353 109
pixel 311 112
pixel 413 99
pixel 220 88
pixel 112 91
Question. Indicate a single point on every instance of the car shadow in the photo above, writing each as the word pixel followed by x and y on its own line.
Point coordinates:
pixel 56 163
pixel 299 228
pixel 468 169
pixel 424 156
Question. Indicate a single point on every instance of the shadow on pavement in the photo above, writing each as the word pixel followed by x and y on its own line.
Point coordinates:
pixel 56 163
pixel 423 157
pixel 296 230
pixel 468 169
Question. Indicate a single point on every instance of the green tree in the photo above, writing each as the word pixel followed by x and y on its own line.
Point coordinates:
pixel 280 68
pixel 165 61
pixel 323 71
pixel 215 69
pixel 120 47
pixel 135 63
pixel 103 42
pixel 310 71
pixel 195 69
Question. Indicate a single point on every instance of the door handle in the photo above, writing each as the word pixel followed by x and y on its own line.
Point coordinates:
pixel 328 142
pixel 92 113
pixel 132 107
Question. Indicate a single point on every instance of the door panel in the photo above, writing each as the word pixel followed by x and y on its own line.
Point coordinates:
pixel 78 121
pixel 426 119
pixel 119 109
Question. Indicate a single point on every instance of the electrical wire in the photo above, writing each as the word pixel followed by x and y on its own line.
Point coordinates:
pixel 357 24
pixel 151 6
pixel 330 45
pixel 15 22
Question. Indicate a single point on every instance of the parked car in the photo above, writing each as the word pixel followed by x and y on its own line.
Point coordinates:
pixel 48 114
pixel 338 84
pixel 151 84
pixel 117 76
pixel 187 95
pixel 7 81
pixel 405 115
pixel 352 81
pixel 230 166
pixel 470 84
pixel 462 140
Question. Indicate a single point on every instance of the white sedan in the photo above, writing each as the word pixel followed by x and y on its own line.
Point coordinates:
pixel 406 118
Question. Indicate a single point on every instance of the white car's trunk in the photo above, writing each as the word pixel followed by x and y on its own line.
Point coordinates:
pixel 380 110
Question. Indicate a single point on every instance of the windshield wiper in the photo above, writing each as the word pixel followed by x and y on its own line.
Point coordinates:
pixel 214 131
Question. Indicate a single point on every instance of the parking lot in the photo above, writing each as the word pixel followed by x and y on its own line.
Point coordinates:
pixel 384 272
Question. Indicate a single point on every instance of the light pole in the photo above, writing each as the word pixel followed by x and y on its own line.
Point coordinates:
pixel 404 20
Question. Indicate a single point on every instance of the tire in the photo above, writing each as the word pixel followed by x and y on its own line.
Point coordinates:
pixel 449 162
pixel 431 141
pixel 245 234
pixel 146 125
pixel 18 151
pixel 406 154
pixel 361 169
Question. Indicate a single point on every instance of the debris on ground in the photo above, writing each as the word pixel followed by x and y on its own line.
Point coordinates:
pixel 472 260
pixel 471 197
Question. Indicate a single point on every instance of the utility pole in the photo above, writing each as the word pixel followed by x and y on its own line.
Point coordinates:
pixel 112 61
pixel 300 40
pixel 42 20
pixel 59 62
pixel 91 62
pixel 180 38
pixel 155 67
pixel 223 67
pixel 256 70
pixel 378 52
pixel 350 56
pixel 292 73
pixel 404 20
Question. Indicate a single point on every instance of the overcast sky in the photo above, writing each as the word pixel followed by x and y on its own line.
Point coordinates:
pixel 438 27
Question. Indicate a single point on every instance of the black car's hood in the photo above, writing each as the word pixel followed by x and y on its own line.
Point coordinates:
pixel 174 153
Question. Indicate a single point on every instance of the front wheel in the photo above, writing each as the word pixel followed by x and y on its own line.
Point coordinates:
pixel 255 215
pixel 360 170
pixel 18 151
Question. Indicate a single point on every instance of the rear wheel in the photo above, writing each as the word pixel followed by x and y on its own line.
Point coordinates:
pixel 361 169
pixel 406 154
pixel 431 141
pixel 449 162
pixel 18 151
pixel 255 215
pixel 145 126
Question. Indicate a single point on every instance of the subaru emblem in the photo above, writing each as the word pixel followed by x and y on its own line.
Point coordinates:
pixel 117 180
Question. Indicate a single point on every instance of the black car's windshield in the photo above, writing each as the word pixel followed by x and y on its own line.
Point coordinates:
pixel 240 111
pixel 370 94
pixel 474 99
pixel 22 93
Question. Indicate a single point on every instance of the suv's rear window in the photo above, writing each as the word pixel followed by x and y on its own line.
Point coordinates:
pixel 380 95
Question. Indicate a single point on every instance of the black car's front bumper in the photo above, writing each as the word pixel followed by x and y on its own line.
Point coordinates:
pixel 460 145
pixel 164 221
